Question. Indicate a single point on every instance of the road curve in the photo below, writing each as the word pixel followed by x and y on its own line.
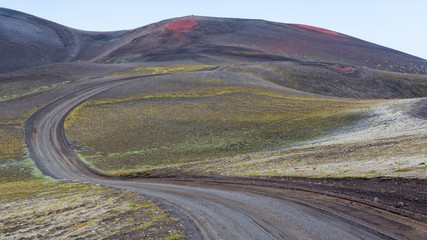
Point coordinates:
pixel 210 212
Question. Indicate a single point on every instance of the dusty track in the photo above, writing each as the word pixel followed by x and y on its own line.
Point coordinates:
pixel 217 211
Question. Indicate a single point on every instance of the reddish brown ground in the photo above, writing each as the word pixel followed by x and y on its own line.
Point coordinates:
pixel 171 39
pixel 322 30
pixel 177 27
pixel 343 69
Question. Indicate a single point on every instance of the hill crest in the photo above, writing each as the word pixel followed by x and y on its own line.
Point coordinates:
pixel 29 41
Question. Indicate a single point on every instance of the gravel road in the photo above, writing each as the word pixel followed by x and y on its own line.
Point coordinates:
pixel 213 212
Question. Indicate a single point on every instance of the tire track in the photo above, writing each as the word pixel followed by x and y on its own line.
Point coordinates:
pixel 211 212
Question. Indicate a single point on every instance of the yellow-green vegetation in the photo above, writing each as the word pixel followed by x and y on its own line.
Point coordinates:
pixel 18 170
pixel 11 141
pixel 42 209
pixel 390 143
pixel 121 136
pixel 324 80
pixel 213 92
pixel 36 80
pixel 12 144
pixel 34 206
pixel 162 69
pixel 11 91
pixel 392 157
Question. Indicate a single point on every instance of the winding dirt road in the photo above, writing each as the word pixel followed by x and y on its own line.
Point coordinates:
pixel 214 211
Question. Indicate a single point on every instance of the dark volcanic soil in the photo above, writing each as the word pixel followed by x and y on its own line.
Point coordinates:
pixel 335 59
pixel 420 109
pixel 407 197
pixel 29 41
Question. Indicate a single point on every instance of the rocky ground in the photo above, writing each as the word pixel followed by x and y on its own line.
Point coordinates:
pixel 69 210
pixel 380 161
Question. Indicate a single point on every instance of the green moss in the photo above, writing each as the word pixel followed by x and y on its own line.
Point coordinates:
pixel 22 92
pixel 160 129
pixel 162 69
pixel 11 141
pixel 174 236
pixel 31 208
pixel 408 169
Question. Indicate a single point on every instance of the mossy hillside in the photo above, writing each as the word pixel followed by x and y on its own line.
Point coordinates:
pixel 171 128
pixel 21 84
pixel 14 157
pixel 11 141
pixel 15 164
pixel 13 154
pixel 386 157
pixel 29 83
pixel 330 81
pixel 38 207
pixel 161 69
pixel 26 83
pixel 35 206
pixel 35 80
pixel 20 90
pixel 389 143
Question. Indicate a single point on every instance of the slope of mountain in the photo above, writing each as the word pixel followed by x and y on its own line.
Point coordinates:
pixel 29 41
pixel 199 97
pixel 196 37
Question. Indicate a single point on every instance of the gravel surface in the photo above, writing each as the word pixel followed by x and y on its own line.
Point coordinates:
pixel 211 212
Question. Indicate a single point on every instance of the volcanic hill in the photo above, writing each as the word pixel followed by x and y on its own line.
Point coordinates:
pixel 202 98
pixel 28 41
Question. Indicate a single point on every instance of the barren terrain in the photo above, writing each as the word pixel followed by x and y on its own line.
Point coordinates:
pixel 52 210
pixel 208 128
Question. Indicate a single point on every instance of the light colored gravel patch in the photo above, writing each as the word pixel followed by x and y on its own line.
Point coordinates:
pixel 388 120
pixel 51 210
pixel 410 167
pixel 390 143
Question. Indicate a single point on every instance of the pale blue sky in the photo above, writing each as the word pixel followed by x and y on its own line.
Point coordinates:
pixel 401 25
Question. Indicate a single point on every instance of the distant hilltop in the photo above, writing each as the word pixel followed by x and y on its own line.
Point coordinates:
pixel 28 41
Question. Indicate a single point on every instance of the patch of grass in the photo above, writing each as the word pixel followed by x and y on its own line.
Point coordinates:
pixel 162 69
pixel 11 141
pixel 120 60
pixel 371 158
pixel 409 169
pixel 14 170
pixel 23 92
pixel 51 210
pixel 15 164
pixel 36 206
pixel 174 236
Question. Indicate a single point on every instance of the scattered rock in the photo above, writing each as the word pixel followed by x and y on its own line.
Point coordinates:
pixel 400 204
pixel 376 199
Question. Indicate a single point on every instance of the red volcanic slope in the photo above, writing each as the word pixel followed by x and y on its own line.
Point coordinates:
pixel 194 36
pixel 28 41
pixel 179 26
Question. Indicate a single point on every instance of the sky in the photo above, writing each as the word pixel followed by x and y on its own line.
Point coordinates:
pixel 401 25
